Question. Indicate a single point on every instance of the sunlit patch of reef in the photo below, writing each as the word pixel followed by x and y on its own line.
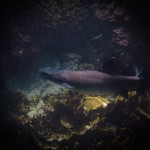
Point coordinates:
pixel 59 117
pixel 69 116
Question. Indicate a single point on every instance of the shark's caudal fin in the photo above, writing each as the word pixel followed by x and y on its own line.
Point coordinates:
pixel 138 72
pixel 109 67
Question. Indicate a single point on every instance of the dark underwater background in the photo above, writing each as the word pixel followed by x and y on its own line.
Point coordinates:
pixel 76 35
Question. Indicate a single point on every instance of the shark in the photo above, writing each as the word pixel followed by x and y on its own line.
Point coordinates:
pixel 93 81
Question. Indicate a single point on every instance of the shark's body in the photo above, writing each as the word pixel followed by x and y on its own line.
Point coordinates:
pixel 92 81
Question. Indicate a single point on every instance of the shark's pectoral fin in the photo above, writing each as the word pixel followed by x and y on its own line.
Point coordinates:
pixel 67 86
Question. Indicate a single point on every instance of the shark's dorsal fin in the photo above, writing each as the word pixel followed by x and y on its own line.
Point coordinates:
pixel 109 66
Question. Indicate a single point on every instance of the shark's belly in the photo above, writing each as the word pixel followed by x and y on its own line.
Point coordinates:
pixel 94 87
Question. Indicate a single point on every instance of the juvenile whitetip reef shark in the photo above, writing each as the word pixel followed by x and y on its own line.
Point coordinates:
pixel 92 81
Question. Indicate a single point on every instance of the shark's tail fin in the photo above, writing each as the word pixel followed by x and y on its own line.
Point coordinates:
pixel 138 72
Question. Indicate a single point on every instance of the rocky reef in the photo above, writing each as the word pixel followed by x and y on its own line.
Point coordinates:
pixel 56 118
pixel 63 120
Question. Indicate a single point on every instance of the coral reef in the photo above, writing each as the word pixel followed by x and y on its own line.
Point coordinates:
pixel 56 119
pixel 90 103
pixel 53 13
pixel 71 61
pixel 121 36
pixel 59 117
pixel 86 66
pixel 110 12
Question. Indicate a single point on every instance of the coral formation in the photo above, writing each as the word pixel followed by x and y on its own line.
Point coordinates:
pixel 71 61
pixel 121 37
pixel 59 117
pixel 54 119
pixel 91 103
pixel 86 66
pixel 109 12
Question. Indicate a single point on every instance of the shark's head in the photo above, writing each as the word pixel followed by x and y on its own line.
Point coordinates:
pixel 52 75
